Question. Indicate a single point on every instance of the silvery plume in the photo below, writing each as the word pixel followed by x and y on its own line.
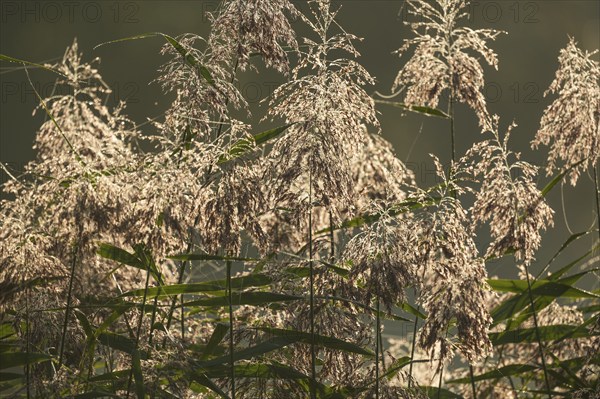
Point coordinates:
pixel 243 27
pixel 204 92
pixel 329 108
pixel 82 126
pixel 233 206
pixel 380 256
pixel 378 174
pixel 452 274
pixel 445 57
pixel 508 199
pixel 570 125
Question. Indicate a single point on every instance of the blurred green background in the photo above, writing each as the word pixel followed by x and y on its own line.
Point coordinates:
pixel 39 31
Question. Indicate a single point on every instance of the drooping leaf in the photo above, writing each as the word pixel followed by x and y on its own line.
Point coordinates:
pixel 245 145
pixel 558 178
pixel 4 57
pixel 216 337
pixel 541 288
pixel 95 394
pixel 547 333
pixel 245 298
pixel 439 393
pixel 502 372
pixel 253 280
pixel 320 340
pixel 199 257
pixel 119 255
pixel 415 108
pixel 189 58
pixel 17 359
pixel 121 343
pixel 138 375
pixel 203 380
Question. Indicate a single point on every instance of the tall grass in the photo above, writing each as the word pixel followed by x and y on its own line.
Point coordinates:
pixel 331 226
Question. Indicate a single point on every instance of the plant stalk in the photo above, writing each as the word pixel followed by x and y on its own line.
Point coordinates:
pixel 472 382
pixel 231 349
pixel 68 307
pixel 537 333
pixel 377 349
pixel 313 356
pixel 27 369
pixel 597 186
pixel 139 326
pixel 412 350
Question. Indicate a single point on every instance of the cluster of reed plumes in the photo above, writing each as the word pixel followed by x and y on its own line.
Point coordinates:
pixel 104 232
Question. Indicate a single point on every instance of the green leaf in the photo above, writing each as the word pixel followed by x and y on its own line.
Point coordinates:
pixel 547 333
pixel 5 376
pixel 118 311
pixel 6 330
pixel 544 301
pixel 85 324
pixel 412 310
pixel 119 255
pixel 267 346
pixel 95 394
pixel 111 377
pixel 121 343
pixel 321 340
pixel 358 221
pixel 415 108
pixel 203 380
pixel 254 280
pixel 189 58
pixel 245 298
pixel 545 288
pixel 439 393
pixel 569 240
pixel 17 359
pixel 33 64
pixel 247 144
pixel 138 376
pixel 190 257
pixel 216 337
pixel 373 311
pixel 141 259
pixel 257 370
pixel 502 372
pixel 558 178
pixel 541 288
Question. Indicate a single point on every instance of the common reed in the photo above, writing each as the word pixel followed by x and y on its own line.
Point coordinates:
pixel 319 239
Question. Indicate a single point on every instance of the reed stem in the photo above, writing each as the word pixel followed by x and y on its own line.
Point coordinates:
pixel 313 356
pixel 68 307
pixel 231 348
pixel 537 332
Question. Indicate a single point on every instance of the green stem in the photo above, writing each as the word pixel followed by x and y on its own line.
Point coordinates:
pixel 439 393
pixel 27 370
pixel 231 349
pixel 313 356
pixel 597 184
pixel 331 237
pixel 412 350
pixel 139 326
pixel 441 368
pixel 153 320
pixel 68 307
pixel 452 138
pixel 377 350
pixel 472 382
pixel 537 332
pixel 180 281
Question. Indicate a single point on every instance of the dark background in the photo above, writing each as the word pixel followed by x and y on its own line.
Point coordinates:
pixel 39 31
